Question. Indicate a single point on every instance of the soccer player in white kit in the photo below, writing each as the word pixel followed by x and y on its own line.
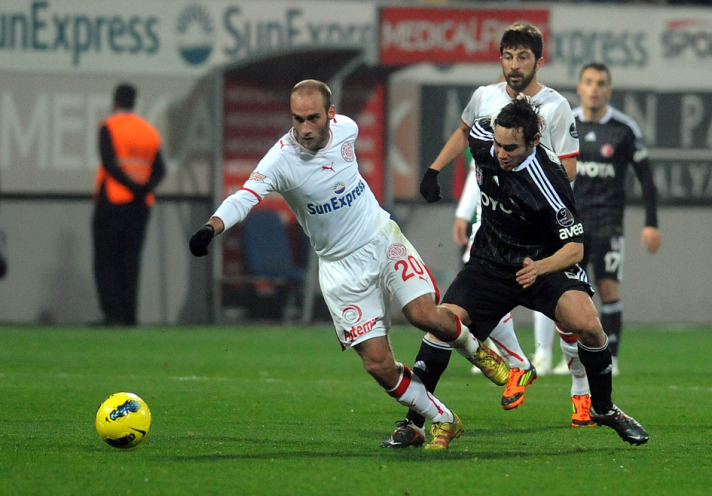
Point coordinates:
pixel 364 259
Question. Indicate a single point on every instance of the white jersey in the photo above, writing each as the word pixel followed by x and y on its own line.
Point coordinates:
pixel 325 190
pixel 558 134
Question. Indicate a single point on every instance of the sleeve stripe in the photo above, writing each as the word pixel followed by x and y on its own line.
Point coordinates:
pixel 544 185
pixel 259 198
pixel 478 132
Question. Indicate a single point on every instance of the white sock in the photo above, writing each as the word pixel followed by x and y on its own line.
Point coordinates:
pixel 411 392
pixel 465 343
pixel 544 332
pixel 579 381
pixel 508 345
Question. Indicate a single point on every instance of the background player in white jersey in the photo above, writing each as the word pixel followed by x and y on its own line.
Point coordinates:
pixel 527 249
pixel 521 50
pixel 610 142
pixel 364 259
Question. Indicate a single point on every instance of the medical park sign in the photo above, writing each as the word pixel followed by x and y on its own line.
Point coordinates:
pixel 169 37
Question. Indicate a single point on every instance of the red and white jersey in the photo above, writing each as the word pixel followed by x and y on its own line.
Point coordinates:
pixel 325 190
pixel 558 134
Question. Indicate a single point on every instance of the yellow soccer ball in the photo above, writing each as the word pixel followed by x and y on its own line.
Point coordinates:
pixel 123 420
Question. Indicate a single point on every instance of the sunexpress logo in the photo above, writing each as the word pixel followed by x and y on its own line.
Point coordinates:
pixel 195 34
pixel 42 29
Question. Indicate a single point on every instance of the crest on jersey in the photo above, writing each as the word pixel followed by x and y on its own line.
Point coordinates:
pixel 347 151
pixel 572 131
pixel 607 150
pixel 351 314
pixel 478 175
pixel 396 251
pixel 564 217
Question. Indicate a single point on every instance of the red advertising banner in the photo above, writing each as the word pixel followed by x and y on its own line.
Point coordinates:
pixel 255 116
pixel 369 145
pixel 447 36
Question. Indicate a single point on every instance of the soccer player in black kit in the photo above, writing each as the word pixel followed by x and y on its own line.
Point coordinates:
pixel 527 249
pixel 609 141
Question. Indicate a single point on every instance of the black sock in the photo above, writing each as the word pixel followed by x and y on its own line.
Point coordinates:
pixel 597 362
pixel 430 363
pixel 611 320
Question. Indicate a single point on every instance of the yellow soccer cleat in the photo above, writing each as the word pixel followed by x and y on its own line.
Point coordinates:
pixel 491 365
pixel 443 433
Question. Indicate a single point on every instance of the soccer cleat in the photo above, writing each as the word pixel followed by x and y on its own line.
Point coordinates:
pixel 406 434
pixel 542 364
pixel 443 433
pixel 519 379
pixel 491 365
pixel 580 411
pixel 488 343
pixel 626 426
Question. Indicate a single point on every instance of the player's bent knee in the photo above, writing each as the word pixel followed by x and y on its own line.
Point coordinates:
pixel 423 314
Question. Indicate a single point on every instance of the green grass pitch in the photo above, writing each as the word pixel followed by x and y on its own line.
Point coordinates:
pixel 282 411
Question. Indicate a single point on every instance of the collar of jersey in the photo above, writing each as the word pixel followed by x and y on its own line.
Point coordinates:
pixel 526 162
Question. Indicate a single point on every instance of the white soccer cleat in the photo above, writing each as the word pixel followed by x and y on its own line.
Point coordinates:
pixel 542 365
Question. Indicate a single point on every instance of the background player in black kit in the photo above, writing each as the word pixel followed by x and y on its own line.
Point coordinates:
pixel 527 249
pixel 609 142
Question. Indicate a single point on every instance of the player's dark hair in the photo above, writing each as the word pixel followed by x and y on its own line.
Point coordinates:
pixel 596 66
pixel 314 85
pixel 125 96
pixel 523 35
pixel 520 113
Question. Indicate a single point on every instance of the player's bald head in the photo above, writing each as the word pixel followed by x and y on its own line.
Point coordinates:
pixel 313 86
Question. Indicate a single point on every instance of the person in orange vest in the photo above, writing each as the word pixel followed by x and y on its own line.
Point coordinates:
pixel 131 168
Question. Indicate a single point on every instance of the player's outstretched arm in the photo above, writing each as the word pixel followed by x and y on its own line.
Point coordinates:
pixel 453 148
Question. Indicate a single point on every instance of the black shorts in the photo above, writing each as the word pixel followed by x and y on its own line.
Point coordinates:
pixel 487 293
pixel 605 255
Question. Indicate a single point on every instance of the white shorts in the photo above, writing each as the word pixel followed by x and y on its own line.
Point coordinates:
pixel 358 289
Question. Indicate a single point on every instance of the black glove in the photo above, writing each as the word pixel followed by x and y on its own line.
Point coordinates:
pixel 201 239
pixel 429 187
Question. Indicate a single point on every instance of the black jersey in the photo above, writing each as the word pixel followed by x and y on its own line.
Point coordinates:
pixel 607 149
pixel 527 212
